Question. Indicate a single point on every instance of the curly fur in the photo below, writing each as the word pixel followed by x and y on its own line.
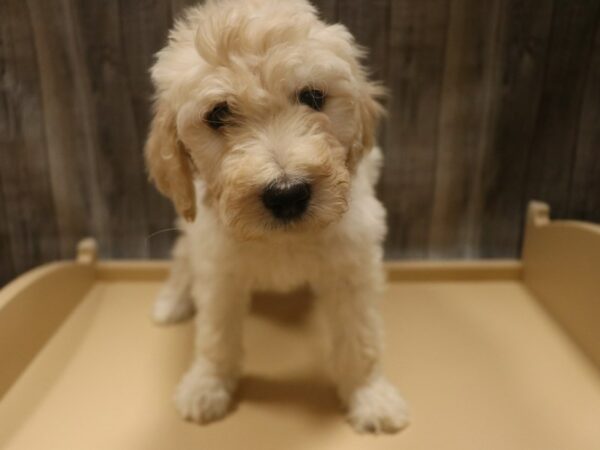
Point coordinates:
pixel 256 55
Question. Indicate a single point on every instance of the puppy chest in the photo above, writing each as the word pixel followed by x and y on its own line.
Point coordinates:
pixel 281 268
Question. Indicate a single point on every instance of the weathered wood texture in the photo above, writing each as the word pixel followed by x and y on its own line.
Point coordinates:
pixel 491 104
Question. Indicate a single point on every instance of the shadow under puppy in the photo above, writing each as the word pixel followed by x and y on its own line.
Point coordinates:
pixel 263 138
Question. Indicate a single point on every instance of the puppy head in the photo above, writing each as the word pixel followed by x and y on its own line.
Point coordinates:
pixel 269 107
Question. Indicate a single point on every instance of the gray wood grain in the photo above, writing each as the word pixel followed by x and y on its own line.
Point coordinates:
pixel 467 109
pixel 369 23
pixel 584 192
pixel 491 103
pixel 28 221
pixel 66 137
pixel 117 158
pixel 328 10
pixel 417 43
pixel 552 152
pixel 523 60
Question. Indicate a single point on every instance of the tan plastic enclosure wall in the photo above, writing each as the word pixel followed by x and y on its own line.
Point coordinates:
pixel 561 266
pixel 495 355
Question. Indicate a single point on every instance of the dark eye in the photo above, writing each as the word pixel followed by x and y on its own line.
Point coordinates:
pixel 217 117
pixel 312 97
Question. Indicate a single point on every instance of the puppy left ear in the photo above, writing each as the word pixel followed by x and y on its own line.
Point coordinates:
pixel 369 111
pixel 168 163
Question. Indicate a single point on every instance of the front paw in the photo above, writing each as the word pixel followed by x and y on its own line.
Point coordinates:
pixel 203 398
pixel 377 407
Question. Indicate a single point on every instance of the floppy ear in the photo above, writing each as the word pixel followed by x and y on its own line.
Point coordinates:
pixel 367 109
pixel 168 162
pixel 368 112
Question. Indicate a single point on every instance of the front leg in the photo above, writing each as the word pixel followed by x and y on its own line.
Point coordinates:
pixel 205 391
pixel 355 329
pixel 174 302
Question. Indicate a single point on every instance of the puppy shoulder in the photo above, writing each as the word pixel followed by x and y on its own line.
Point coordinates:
pixel 370 166
pixel 363 226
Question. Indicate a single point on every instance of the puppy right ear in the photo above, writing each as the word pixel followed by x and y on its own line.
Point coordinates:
pixel 168 163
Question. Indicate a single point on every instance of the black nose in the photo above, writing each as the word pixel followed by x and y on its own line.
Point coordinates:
pixel 287 202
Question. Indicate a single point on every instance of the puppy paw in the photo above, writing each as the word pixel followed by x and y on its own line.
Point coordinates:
pixel 171 308
pixel 203 398
pixel 377 407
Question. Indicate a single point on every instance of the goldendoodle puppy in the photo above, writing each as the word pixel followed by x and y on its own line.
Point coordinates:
pixel 263 138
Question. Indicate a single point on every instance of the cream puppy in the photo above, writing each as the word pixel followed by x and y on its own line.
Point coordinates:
pixel 263 138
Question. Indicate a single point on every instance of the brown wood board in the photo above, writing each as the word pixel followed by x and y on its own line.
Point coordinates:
pixel 491 104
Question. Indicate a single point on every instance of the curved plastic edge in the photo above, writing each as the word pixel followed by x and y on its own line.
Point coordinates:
pixel 37 301
pixel 561 266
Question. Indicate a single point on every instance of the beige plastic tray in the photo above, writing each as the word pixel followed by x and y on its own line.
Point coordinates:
pixel 490 355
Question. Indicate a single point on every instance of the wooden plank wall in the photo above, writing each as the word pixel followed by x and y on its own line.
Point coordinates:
pixel 492 103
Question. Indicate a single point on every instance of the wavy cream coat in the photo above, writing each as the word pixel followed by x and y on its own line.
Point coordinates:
pixel 256 55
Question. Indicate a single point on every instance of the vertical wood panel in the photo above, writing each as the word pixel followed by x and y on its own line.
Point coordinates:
pixel 368 21
pixel 468 104
pixel 87 124
pixel 525 46
pixel 144 26
pixel 584 195
pixel 118 158
pixel 66 141
pixel 416 64
pixel 28 228
pixel 177 8
pixel 328 10
pixel 491 103
pixel 551 156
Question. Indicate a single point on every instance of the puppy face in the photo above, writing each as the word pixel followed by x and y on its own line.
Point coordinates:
pixel 269 107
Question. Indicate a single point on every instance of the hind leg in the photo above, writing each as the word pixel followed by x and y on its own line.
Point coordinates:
pixel 174 301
